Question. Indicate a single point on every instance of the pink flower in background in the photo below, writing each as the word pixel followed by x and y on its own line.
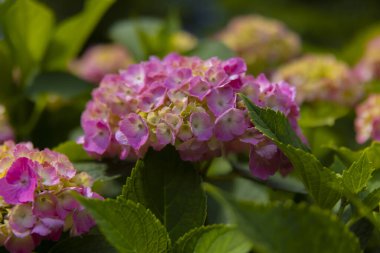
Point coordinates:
pixel 321 78
pixel 100 60
pixel 36 202
pixel 368 68
pixel 262 42
pixel 187 102
pixel 367 122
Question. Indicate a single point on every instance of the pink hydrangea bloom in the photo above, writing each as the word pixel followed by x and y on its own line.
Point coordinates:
pixel 367 122
pixel 189 103
pixel 368 68
pixel 100 60
pixel 35 197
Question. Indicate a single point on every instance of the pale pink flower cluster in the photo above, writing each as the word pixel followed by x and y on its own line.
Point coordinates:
pixel 367 122
pixel 36 201
pixel 262 42
pixel 189 103
pixel 321 78
pixel 368 68
pixel 6 131
pixel 100 60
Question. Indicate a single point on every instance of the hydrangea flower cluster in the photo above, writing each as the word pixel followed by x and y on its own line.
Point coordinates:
pixel 262 42
pixel 367 122
pixel 189 103
pixel 321 78
pixel 36 201
pixel 368 67
pixel 6 131
pixel 100 60
pixel 182 41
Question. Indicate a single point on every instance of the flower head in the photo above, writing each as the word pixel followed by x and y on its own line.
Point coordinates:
pixel 35 197
pixel 367 122
pixel 368 67
pixel 321 78
pixel 186 102
pixel 262 42
pixel 100 60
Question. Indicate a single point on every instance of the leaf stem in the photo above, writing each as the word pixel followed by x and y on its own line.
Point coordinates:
pixel 343 204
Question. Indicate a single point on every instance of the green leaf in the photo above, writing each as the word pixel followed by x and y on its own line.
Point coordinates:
pixel 338 166
pixel 219 166
pixel 346 155
pixel 128 226
pixel 84 244
pixel 209 48
pixel 141 36
pixel 373 154
pixel 170 188
pixel 274 125
pixel 73 151
pixel 72 33
pixel 212 239
pixel 323 184
pixel 27 26
pixel 357 176
pixel 289 227
pixel 321 114
pixel 60 84
pixel 372 200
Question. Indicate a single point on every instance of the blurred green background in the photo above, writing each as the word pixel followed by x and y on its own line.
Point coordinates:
pixel 322 24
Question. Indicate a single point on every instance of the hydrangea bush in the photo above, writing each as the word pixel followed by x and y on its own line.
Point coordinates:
pixel 321 78
pixel 262 42
pixel 189 103
pixel 211 158
pixel 36 197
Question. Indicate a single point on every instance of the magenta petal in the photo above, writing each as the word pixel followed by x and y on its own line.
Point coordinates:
pixel 98 136
pixel 178 78
pixel 45 205
pixel 48 174
pixel 230 124
pixel 262 167
pixel 252 136
pixel 201 125
pixel 221 99
pixel 20 182
pixel 135 130
pixel 41 230
pixel 134 77
pixel 376 129
pixel 82 223
pixel 20 245
pixel 234 66
pixel 199 88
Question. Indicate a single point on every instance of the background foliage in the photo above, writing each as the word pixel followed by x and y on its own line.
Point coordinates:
pixel 329 204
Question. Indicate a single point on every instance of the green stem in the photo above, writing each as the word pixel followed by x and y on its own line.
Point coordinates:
pixel 343 204
pixel 39 107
